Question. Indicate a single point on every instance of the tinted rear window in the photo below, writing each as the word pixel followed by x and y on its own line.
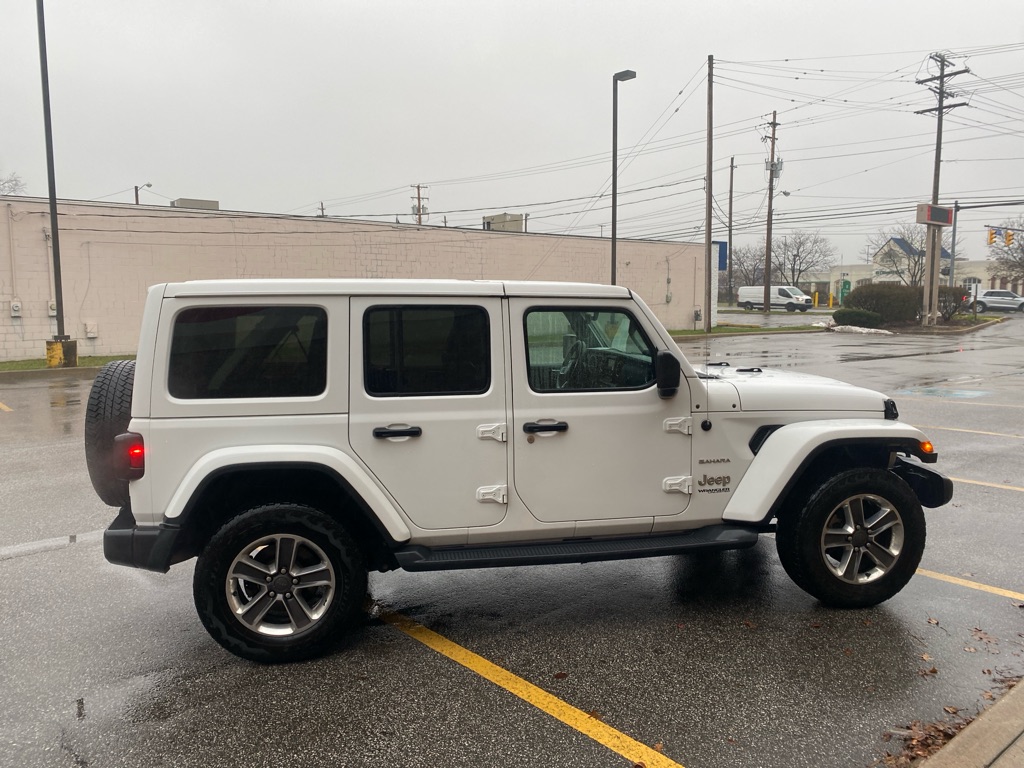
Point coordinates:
pixel 248 352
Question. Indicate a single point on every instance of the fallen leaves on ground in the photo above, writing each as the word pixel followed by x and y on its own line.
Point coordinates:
pixel 922 740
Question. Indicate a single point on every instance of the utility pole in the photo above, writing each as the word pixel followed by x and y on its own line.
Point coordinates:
pixel 933 250
pixel 322 213
pixel 768 235
pixel 419 209
pixel 707 205
pixel 732 167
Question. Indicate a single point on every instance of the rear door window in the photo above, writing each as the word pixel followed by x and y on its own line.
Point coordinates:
pixel 426 350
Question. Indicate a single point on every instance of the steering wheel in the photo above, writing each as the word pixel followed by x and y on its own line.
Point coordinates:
pixel 571 364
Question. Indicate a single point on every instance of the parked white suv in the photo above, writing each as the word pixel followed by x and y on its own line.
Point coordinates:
pixel 998 299
pixel 295 434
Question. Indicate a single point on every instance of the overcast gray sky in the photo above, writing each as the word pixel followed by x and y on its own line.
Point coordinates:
pixel 275 106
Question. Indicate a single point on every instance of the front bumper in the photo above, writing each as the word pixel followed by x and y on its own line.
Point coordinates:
pixel 147 547
pixel 933 488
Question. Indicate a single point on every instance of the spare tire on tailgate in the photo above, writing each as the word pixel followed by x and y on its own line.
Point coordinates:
pixel 107 416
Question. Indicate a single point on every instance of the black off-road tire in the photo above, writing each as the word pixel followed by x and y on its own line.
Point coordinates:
pixel 263 530
pixel 812 560
pixel 106 416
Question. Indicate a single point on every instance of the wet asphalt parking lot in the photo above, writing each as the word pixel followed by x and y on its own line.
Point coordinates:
pixel 717 660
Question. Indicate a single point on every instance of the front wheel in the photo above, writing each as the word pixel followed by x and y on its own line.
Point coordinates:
pixel 791 307
pixel 856 541
pixel 279 583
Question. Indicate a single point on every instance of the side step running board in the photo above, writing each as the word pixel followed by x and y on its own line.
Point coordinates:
pixel 715 537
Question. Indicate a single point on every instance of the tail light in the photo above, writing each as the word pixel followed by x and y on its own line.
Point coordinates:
pixel 129 456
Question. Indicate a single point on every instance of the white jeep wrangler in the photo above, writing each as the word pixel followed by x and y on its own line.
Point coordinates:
pixel 294 434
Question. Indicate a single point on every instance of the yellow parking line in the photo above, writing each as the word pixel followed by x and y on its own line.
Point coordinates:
pixel 577 719
pixel 4 408
pixel 974 432
pixel 971 584
pixel 988 485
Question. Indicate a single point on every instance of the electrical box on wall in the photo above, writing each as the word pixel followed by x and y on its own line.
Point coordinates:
pixel 91 330
pixel 51 308
pixel 15 307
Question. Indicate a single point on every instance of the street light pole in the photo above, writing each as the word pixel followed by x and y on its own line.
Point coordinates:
pixel 147 184
pixel 626 74
pixel 50 175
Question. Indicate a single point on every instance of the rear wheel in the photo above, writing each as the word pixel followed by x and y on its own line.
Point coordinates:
pixel 980 306
pixel 747 305
pixel 856 541
pixel 279 583
pixel 106 416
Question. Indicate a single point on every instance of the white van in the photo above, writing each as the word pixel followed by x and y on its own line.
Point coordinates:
pixel 787 297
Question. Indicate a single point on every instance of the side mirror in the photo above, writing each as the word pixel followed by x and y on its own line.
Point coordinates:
pixel 667 374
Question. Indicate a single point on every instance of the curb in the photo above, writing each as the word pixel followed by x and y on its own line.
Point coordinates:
pixel 35 374
pixel 995 739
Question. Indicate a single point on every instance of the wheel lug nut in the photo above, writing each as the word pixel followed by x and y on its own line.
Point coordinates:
pixel 289 595
pixel 268 579
pixel 284 570
pixel 273 595
pixel 295 581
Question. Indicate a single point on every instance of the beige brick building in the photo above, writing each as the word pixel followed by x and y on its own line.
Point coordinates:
pixel 111 253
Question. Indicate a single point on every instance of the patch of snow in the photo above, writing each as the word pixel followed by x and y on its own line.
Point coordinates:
pixel 855 329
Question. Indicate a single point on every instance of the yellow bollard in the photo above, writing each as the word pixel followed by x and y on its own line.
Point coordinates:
pixel 62 354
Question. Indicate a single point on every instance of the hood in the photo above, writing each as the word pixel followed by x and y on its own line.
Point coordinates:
pixel 772 390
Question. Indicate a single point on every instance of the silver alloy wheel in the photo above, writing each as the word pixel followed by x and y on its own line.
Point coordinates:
pixel 280 585
pixel 862 539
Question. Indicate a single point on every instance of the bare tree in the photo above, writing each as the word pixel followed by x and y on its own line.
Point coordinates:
pixel 799 253
pixel 1009 259
pixel 900 251
pixel 11 184
pixel 748 265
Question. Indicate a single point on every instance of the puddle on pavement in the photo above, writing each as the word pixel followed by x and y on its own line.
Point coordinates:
pixel 962 394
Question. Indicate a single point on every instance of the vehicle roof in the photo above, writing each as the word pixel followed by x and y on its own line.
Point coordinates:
pixel 371 287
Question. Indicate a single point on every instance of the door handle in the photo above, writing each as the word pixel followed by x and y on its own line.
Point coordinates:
pixel 535 426
pixel 383 432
